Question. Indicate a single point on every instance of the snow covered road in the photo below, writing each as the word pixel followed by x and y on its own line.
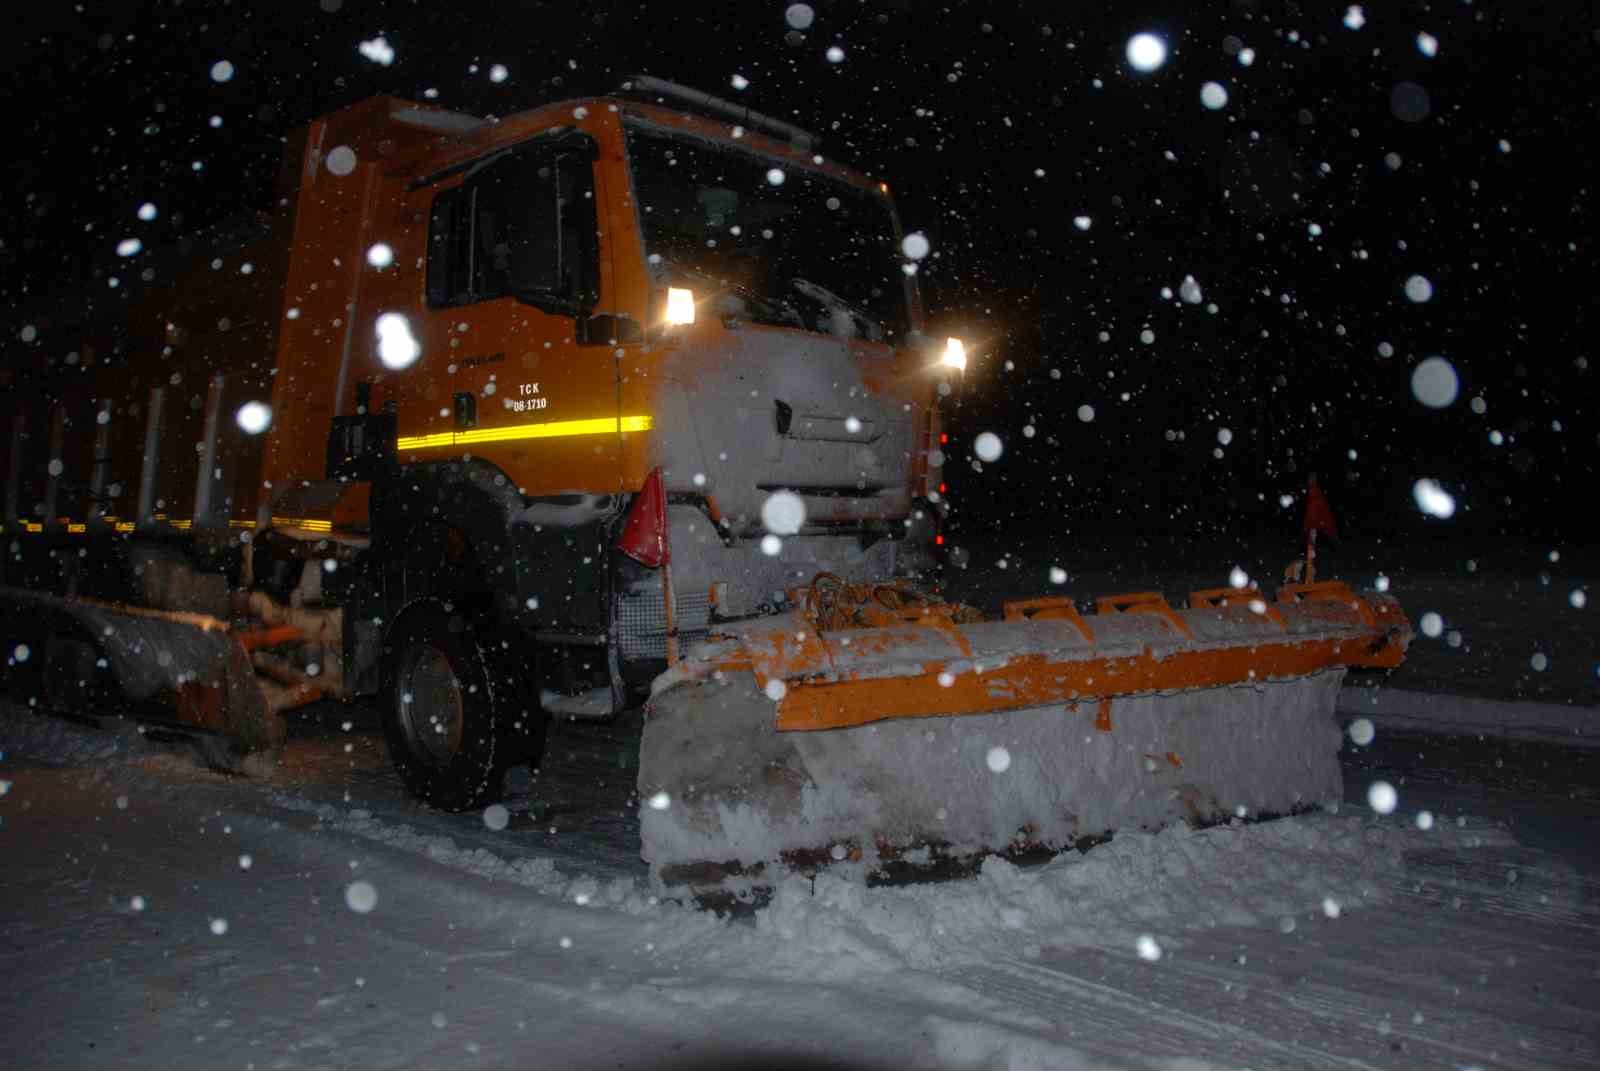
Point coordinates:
pixel 156 913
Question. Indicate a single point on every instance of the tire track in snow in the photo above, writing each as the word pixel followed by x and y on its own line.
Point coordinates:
pixel 1149 1028
pixel 1513 987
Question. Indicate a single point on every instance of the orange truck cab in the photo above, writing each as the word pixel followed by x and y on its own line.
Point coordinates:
pixel 465 347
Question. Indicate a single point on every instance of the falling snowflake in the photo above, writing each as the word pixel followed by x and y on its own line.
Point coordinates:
pixel 342 160
pixel 397 346
pixel 253 417
pixel 360 897
pixel 783 513
pixel 1433 499
pixel 1434 383
pixel 1146 52
pixel 377 50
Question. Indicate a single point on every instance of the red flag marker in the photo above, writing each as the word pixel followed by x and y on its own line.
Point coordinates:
pixel 1319 515
pixel 1318 518
pixel 644 533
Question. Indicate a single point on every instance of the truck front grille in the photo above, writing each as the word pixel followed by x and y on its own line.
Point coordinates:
pixel 642 622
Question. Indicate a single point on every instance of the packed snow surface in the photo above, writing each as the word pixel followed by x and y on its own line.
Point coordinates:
pixel 310 916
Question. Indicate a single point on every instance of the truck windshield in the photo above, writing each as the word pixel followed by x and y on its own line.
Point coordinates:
pixel 762 240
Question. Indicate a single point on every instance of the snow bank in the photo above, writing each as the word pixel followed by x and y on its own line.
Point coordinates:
pixel 1461 715
pixel 59 742
pixel 532 872
pixel 1141 892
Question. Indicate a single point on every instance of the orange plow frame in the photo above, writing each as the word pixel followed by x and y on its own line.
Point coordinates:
pixel 835 678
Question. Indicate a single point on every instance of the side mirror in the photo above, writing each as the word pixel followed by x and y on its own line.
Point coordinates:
pixel 604 329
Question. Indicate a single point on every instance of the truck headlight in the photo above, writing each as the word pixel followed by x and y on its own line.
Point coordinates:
pixel 955 355
pixel 680 305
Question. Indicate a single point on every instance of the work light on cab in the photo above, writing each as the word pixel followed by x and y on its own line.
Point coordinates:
pixel 680 305
pixel 955 355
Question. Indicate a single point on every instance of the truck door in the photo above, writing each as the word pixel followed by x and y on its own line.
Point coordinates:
pixel 512 267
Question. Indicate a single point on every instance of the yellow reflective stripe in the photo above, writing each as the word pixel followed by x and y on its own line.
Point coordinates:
pixel 308 523
pixel 547 430
pixel 76 528
pixel 124 526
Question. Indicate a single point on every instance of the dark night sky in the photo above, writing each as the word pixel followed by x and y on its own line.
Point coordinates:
pixel 997 124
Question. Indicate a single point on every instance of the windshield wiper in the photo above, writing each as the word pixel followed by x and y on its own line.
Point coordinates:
pixel 826 297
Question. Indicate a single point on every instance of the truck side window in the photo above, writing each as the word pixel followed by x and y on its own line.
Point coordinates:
pixel 515 249
pixel 521 227
pixel 449 248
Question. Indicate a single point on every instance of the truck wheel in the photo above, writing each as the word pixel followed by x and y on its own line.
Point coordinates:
pixel 458 708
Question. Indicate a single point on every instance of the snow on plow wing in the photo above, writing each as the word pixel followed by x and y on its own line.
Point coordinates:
pixel 917 728
pixel 185 669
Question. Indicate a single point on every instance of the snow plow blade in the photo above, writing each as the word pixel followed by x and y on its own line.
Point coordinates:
pixel 188 671
pixel 890 733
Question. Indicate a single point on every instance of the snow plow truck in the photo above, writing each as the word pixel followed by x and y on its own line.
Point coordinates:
pixel 617 400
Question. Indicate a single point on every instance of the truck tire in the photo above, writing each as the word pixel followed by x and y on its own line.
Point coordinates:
pixel 458 707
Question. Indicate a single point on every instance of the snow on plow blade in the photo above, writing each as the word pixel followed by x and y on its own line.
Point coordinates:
pixel 187 670
pixel 918 729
